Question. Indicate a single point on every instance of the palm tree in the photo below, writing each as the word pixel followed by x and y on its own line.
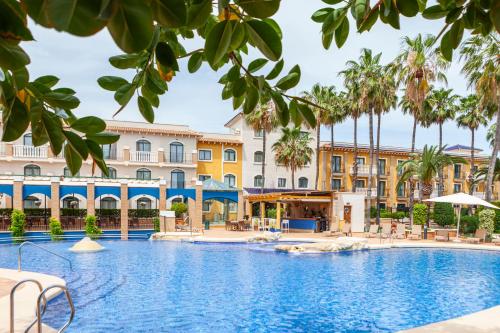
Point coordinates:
pixel 442 104
pixel 263 118
pixel 417 66
pixel 424 167
pixel 481 67
pixel 471 117
pixel 293 150
pixel 322 97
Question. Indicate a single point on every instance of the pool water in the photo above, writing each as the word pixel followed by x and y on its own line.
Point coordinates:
pixel 142 286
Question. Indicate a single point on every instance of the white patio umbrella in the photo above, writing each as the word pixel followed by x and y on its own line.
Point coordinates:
pixel 462 199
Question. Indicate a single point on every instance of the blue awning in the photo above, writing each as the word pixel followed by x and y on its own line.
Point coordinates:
pixel 72 189
pixel 104 190
pixel 185 192
pixel 34 189
pixel 220 195
pixel 7 189
pixel 152 191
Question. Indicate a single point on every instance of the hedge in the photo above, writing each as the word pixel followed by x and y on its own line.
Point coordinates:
pixel 444 214
pixel 469 224
pixel 143 213
pixel 487 220
pixel 419 214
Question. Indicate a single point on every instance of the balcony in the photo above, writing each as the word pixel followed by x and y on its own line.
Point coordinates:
pixel 459 175
pixel 364 170
pixel 178 158
pixel 30 151
pixel 364 191
pixel 144 156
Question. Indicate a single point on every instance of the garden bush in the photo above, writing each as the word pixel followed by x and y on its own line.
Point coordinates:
pixel 444 214
pixel 487 220
pixel 497 216
pixel 179 208
pixel 91 228
pixel 419 214
pixel 55 229
pixel 271 213
pixel 156 224
pixel 17 224
pixel 143 212
pixel 469 224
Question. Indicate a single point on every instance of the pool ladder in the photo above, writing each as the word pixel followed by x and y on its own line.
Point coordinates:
pixel 19 254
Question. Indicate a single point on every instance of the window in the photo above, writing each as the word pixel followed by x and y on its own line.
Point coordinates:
pixel 337 164
pixel 230 180
pixel 381 166
pixel 204 155
pixel 111 173
pixel 400 171
pixel 176 152
pixel 258 181
pixel 207 205
pixel 32 202
pixel 457 171
pixel 28 139
pixel 233 207
pixel 204 177
pixel 109 151
pixel 143 174
pixel 108 203
pixel 229 155
pixel 71 202
pixel 258 133
pixel 177 179
pixel 360 160
pixel 336 184
pixel 360 183
pixel 281 182
pixel 381 188
pixel 67 173
pixel 382 206
pixel 457 188
pixel 32 170
pixel 258 157
pixel 401 190
pixel 303 182
pixel 143 203
pixel 143 145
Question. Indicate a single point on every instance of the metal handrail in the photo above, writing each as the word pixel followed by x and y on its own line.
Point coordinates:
pixel 42 248
pixel 39 313
pixel 12 292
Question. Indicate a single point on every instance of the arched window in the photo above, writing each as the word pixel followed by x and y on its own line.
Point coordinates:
pixel 108 203
pixel 111 173
pixel 67 173
pixel 258 157
pixel 258 181
pixel 143 145
pixel 303 182
pixel 177 179
pixel 109 151
pixel 32 202
pixel 32 170
pixel 229 155
pixel 176 152
pixel 143 203
pixel 230 180
pixel 71 202
pixel 28 139
pixel 143 174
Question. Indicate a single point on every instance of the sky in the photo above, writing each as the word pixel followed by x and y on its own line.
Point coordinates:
pixel 195 99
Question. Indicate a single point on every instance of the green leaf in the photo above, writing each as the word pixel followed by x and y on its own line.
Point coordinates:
pixel 217 42
pixel 434 12
pixel 124 93
pixel 291 80
pixel 73 160
pixel 111 83
pixel 125 61
pixel 95 149
pixel 260 8
pixel 237 101
pixel 239 87
pixel 53 127
pixel 326 40
pixel 295 115
pixel 195 62
pixel 66 91
pixel 333 21
pixel 390 15
pixel 342 33
pixel 12 56
pixel 89 125
pixel 198 13
pixel 78 17
pixel 39 134
pixel 104 138
pixel 307 114
pixel 281 108
pixel 495 15
pixel 166 56
pixel 369 21
pixel 13 21
pixel 446 46
pixel 233 74
pixel 332 2
pixel 59 100
pixel 408 8
pixel 131 25
pixel 77 143
pixel 227 92
pixel 150 96
pixel 21 77
pixel 238 38
pixel 320 15
pixel 48 80
pixel 456 33
pixel 146 109
pixel 265 38
pixel 276 70
pixel 170 13
pixel 359 9
pixel 251 100
pixel 15 121
pixel 257 64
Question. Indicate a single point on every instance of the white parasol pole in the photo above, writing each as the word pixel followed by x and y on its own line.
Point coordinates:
pixel 458 222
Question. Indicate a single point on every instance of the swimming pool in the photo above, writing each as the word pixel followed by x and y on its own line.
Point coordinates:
pixel 142 286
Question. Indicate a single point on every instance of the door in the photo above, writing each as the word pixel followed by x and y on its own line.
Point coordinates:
pixel 347 213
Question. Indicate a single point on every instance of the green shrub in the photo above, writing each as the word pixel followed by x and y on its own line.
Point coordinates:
pixel 419 213
pixel 271 213
pixel 385 215
pixel 469 224
pixel 179 208
pixel 108 212
pixel 487 220
pixel 37 212
pixel 5 211
pixel 497 216
pixel 91 228
pixel 398 215
pixel 17 223
pixel 73 212
pixel 444 214
pixel 143 212
pixel 55 229
pixel 156 224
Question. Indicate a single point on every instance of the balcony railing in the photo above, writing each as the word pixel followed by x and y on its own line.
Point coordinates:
pixel 30 151
pixel 364 190
pixel 144 156
pixel 364 170
pixel 178 158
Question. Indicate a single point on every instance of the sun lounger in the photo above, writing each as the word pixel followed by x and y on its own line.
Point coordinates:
pixel 386 232
pixel 334 228
pixel 496 241
pixel 479 236
pixel 373 232
pixel 346 230
pixel 400 231
pixel 442 236
pixel 416 232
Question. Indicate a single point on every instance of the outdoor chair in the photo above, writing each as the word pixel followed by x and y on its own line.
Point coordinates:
pixel 442 235
pixel 496 241
pixel 334 228
pixel 285 226
pixel 416 232
pixel 400 231
pixel 373 232
pixel 346 230
pixel 386 232
pixel 479 236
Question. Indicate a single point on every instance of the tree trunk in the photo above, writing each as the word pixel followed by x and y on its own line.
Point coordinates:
pixel 377 158
pixel 331 156
pixel 355 162
pixel 440 171
pixel 293 177
pixel 318 131
pixel 264 138
pixel 494 153
pixel 471 175
pixel 370 172
pixel 411 182
pixel 413 135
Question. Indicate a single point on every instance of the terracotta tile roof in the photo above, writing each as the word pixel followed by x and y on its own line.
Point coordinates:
pixel 141 127
pixel 222 138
